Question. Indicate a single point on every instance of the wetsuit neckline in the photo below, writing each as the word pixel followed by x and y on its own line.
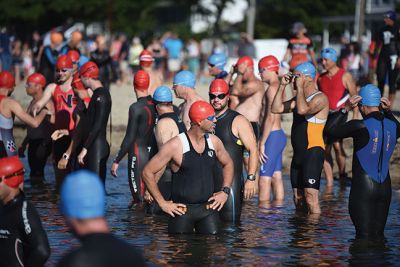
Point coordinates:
pixel 192 147
pixel 375 114
pixel 15 200
pixel 223 114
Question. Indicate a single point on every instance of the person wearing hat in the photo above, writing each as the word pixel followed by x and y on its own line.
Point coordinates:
pixel 388 41
pixel 184 87
pixel 216 63
pixel 83 204
pixel 168 126
pixel 310 111
pixel 374 139
pixel 10 108
pixel 236 134
pixel 192 157
pixel 38 139
pixel 338 85
pixel 273 138
pixel 23 241
pixel 63 96
pixel 300 47
pixel 139 136
pixel 96 149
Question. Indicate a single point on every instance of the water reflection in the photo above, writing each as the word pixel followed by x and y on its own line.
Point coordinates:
pixel 269 234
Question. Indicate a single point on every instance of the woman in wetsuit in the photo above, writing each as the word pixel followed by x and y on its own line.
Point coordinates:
pixel 374 140
pixel 95 147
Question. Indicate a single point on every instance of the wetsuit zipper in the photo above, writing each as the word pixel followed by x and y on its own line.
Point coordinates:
pixel 381 154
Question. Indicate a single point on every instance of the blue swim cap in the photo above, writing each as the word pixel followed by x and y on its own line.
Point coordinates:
pixel 162 94
pixel 371 95
pixel 307 68
pixel 82 60
pixel 185 78
pixel 329 53
pixel 82 196
pixel 391 15
pixel 218 60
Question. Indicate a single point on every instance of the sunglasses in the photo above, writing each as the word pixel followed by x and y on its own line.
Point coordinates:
pixel 17 173
pixel 211 65
pixel 211 118
pixel 220 96
pixel 62 70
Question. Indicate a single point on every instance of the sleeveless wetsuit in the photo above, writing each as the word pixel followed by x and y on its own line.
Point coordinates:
pixel 64 104
pixel 374 140
pixel 39 147
pixel 308 150
pixel 165 182
pixel 337 95
pixel 138 140
pixel 233 145
pixel 96 143
pixel 388 38
pixel 7 147
pixel 299 50
pixel 23 241
pixel 193 185
pixel 102 250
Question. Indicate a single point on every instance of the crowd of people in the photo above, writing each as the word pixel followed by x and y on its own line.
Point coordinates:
pixel 188 162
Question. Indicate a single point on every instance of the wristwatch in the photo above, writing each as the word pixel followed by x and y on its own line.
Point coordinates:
pixel 226 190
pixel 65 156
pixel 251 177
pixel 344 110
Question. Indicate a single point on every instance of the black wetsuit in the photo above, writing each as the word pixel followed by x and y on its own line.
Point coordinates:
pixel 138 141
pixel 374 140
pixel 164 184
pixel 39 148
pixel 103 250
pixel 193 185
pixel 223 129
pixel 96 143
pixel 23 241
pixel 388 38
pixel 80 133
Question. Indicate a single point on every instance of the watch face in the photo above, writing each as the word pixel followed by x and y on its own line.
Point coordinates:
pixel 226 190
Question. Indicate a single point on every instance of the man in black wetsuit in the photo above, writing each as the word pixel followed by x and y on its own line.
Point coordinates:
pixel 23 241
pixel 95 148
pixel 192 156
pixel 374 138
pixel 388 41
pixel 236 134
pixel 83 205
pixel 139 137
pixel 168 126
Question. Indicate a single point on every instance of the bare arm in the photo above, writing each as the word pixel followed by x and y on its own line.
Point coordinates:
pixel 25 117
pixel 278 106
pixel 47 94
pixel 225 160
pixel 350 84
pixel 51 109
pixel 312 107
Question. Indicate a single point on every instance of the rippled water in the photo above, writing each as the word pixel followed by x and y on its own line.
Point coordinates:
pixel 268 236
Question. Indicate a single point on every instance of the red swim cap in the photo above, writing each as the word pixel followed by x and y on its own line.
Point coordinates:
pixel 12 171
pixel 77 83
pixel 146 58
pixel 74 56
pixel 247 60
pixel 64 62
pixel 141 80
pixel 7 80
pixel 89 70
pixel 37 78
pixel 270 63
pixel 219 86
pixel 200 110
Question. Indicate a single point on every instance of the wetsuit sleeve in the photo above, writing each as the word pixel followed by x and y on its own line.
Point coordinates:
pixel 351 128
pixel 101 116
pixel 390 116
pixel 130 135
pixel 49 55
pixel 35 242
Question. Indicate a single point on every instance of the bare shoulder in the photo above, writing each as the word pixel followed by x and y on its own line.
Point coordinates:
pixel 50 87
pixel 240 120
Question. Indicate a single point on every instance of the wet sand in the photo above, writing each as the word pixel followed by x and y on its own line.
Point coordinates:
pixel 123 96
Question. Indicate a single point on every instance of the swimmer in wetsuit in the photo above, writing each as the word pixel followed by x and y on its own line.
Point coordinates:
pixel 168 126
pixel 38 139
pixel 273 138
pixel 236 134
pixel 374 138
pixel 23 241
pixel 310 111
pixel 99 247
pixel 193 156
pixel 96 149
pixel 139 136
pixel 8 109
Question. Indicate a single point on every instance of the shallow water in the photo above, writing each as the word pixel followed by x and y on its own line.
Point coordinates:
pixel 268 236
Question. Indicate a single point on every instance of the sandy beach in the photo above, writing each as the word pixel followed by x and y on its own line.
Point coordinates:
pixel 123 96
